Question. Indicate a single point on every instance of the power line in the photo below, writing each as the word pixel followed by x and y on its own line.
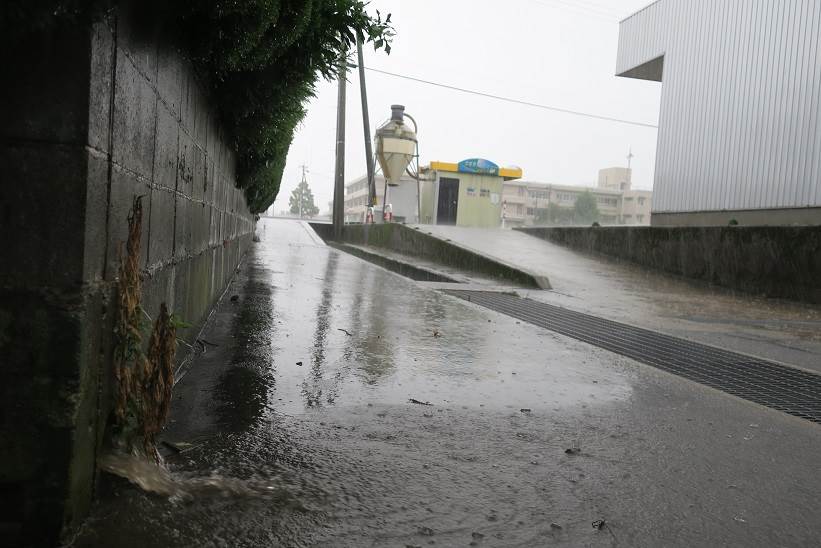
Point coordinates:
pixel 516 101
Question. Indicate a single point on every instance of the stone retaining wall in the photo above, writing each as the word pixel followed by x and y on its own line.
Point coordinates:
pixel 90 118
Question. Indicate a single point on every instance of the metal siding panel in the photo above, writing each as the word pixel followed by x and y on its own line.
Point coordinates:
pixel 750 159
pixel 761 114
pixel 800 153
pixel 740 116
pixel 728 184
pixel 813 179
pixel 751 114
pixel 809 176
pixel 796 136
pixel 667 121
pixel 791 35
pixel 713 143
pixel 701 108
pixel 679 132
pixel 693 184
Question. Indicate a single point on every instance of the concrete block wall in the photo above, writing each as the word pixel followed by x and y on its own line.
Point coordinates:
pixel 90 118
pixel 782 262
pixel 165 144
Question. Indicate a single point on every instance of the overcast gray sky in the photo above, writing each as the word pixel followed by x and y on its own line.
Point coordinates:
pixel 560 53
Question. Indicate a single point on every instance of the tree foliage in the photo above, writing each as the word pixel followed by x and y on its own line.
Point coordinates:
pixel 554 214
pixel 302 195
pixel 585 210
pixel 260 60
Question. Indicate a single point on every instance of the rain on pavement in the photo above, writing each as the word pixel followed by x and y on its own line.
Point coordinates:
pixel 296 427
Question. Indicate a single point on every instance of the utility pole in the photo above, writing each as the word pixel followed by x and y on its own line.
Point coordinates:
pixel 339 182
pixel 366 124
pixel 630 167
pixel 629 180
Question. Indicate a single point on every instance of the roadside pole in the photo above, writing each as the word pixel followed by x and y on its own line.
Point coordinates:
pixel 366 124
pixel 339 179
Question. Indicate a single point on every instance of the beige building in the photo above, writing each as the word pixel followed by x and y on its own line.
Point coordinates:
pixel 527 203
pixel 635 204
pixel 402 199
pixel 467 193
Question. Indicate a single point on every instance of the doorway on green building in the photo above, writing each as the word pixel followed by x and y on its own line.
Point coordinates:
pixel 448 201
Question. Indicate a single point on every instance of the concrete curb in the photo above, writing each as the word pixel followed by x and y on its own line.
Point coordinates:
pixel 403 268
pixel 413 242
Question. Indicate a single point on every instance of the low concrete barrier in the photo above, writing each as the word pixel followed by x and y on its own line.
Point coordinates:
pixel 782 262
pixel 415 243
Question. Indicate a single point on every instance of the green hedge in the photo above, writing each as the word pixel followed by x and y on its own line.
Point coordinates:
pixel 261 60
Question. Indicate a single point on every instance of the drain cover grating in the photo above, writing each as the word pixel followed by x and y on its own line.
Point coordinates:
pixel 767 383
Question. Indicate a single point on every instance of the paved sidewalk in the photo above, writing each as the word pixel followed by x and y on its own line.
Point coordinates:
pixel 305 389
pixel 773 329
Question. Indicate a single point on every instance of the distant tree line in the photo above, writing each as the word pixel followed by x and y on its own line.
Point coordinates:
pixel 584 211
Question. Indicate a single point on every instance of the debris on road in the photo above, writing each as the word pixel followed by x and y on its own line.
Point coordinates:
pixel 234 298
pixel 555 526
pixel 436 333
pixel 299 364
pixel 573 450
pixel 181 446
pixel 524 410
pixel 348 333
pixel 599 524
pixel 418 402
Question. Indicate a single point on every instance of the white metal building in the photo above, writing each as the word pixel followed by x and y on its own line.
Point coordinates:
pixel 740 123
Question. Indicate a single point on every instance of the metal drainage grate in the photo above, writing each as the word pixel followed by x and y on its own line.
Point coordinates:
pixel 780 387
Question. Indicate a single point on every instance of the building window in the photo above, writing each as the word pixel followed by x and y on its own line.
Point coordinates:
pixel 641 201
pixel 484 193
pixel 530 211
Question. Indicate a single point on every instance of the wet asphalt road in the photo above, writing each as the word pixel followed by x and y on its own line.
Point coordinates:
pixel 315 426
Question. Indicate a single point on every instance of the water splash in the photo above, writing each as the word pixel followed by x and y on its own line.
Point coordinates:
pixel 180 487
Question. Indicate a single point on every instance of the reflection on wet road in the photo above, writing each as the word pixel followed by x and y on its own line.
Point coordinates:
pixel 307 396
